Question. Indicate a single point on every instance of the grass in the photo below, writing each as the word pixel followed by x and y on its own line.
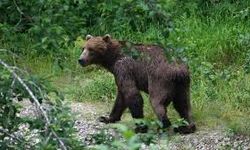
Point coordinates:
pixel 217 51
pixel 215 41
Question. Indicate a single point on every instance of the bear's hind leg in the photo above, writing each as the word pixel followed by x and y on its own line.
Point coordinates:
pixel 159 96
pixel 160 110
pixel 182 105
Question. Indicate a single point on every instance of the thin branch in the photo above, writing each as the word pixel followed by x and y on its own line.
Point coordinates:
pixel 28 90
pixel 47 140
pixel 12 86
pixel 36 102
pixel 20 20
pixel 20 12
pixel 13 83
pixel 7 51
pixel 39 89
pixel 41 94
pixel 17 7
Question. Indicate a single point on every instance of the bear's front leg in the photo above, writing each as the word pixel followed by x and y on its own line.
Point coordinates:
pixel 134 101
pixel 116 112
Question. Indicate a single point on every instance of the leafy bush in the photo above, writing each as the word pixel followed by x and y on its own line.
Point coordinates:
pixel 53 129
pixel 51 25
pixel 123 139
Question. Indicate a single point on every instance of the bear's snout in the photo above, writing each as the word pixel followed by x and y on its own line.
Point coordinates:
pixel 82 62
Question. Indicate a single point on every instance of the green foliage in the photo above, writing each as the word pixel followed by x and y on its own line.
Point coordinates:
pixel 94 85
pixel 123 139
pixel 52 25
pixel 61 121
pixel 8 112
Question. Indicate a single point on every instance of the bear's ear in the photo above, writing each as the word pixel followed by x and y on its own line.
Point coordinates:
pixel 89 37
pixel 107 38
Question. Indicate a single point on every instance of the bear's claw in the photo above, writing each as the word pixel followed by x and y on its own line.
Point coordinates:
pixel 104 119
pixel 107 119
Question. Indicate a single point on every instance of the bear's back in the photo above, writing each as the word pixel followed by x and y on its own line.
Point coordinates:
pixel 143 52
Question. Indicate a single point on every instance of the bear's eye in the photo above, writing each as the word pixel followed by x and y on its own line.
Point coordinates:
pixel 91 53
pixel 90 49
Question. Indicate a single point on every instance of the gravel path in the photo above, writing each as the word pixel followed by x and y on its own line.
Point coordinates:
pixel 212 139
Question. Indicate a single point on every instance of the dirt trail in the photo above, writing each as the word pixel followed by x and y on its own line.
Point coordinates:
pixel 205 139
pixel 210 139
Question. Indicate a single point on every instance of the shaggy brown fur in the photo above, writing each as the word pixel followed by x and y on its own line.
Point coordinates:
pixel 151 73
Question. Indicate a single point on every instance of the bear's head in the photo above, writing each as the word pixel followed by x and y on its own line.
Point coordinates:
pixel 96 49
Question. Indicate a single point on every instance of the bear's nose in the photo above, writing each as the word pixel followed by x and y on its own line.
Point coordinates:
pixel 81 61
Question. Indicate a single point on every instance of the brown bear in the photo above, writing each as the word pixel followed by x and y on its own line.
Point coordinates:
pixel 149 72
